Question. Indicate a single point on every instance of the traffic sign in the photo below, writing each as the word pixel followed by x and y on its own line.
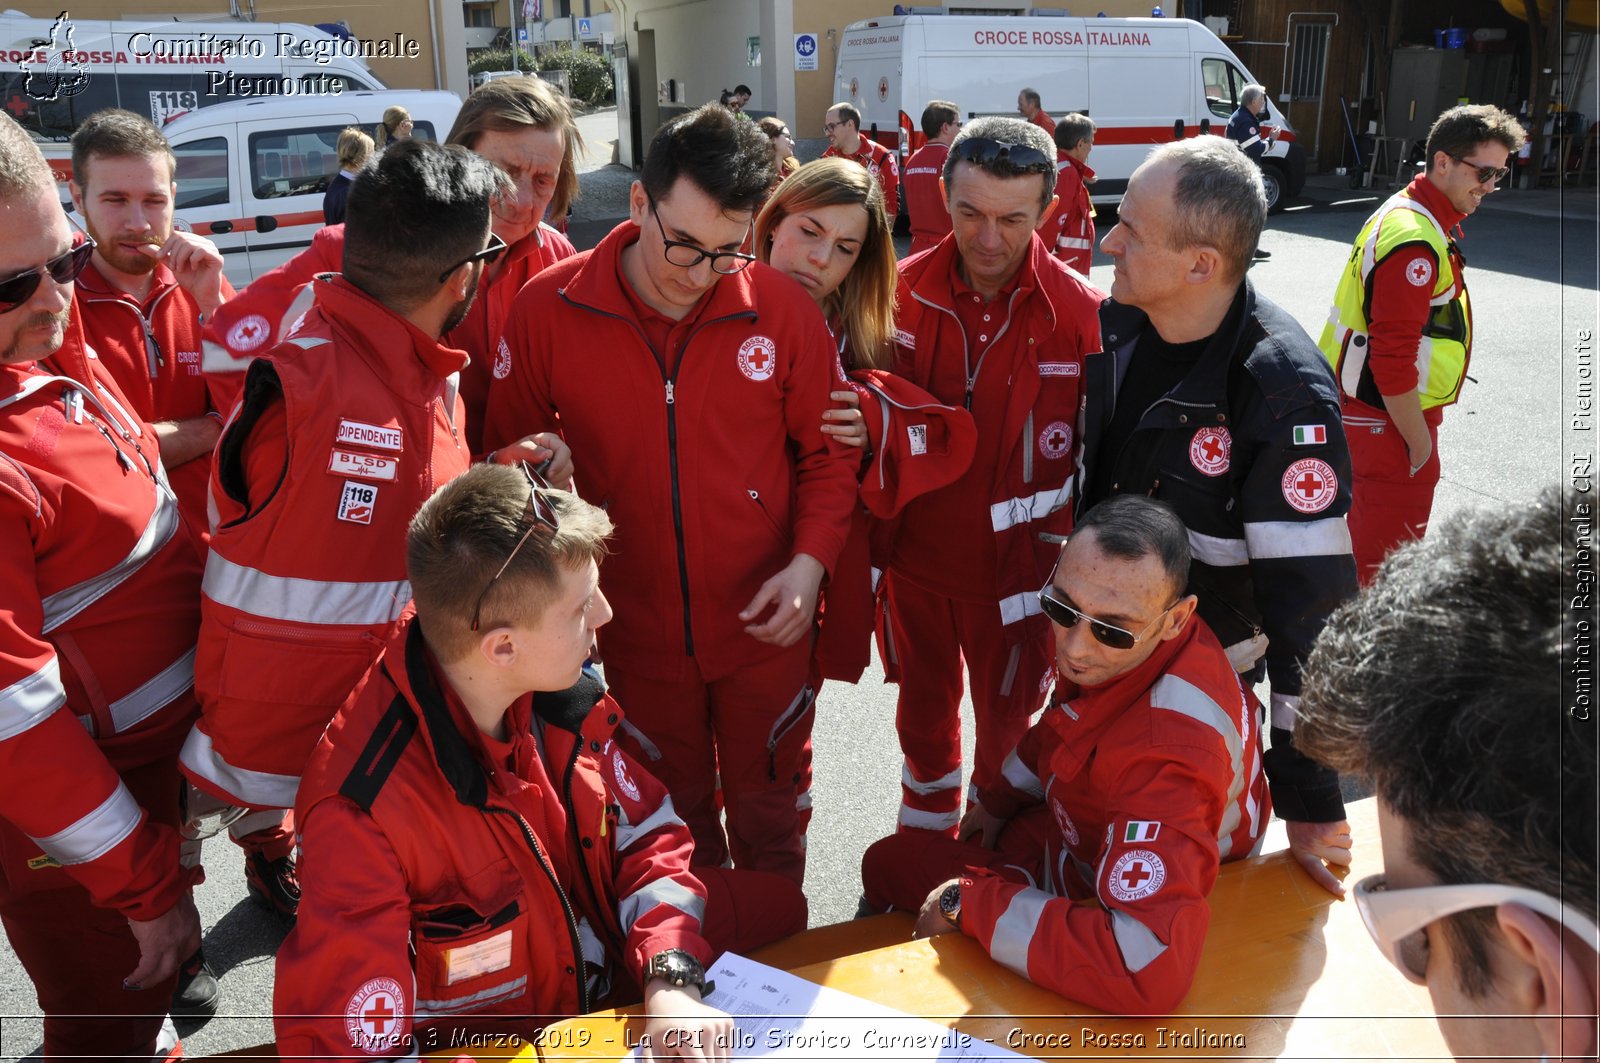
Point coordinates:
pixel 805 51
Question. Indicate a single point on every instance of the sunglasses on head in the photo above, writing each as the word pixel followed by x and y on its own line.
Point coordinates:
pixel 1486 174
pixel 1110 635
pixel 1000 157
pixel 63 269
pixel 539 512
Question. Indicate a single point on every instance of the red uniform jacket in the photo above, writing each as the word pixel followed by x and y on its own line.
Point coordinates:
pixel 153 353
pixel 448 890
pixel 100 592
pixel 340 435
pixel 1053 324
pixel 1152 780
pixel 1069 232
pixel 715 475
pixel 880 163
pixel 930 216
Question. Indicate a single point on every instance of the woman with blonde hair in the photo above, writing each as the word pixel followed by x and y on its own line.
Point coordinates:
pixel 396 125
pixel 355 148
pixel 777 131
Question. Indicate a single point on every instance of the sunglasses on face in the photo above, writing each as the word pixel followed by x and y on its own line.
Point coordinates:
pixel 1486 174
pixel 539 513
pixel 687 255
pixel 1398 919
pixel 63 269
pixel 487 255
pixel 999 157
pixel 1110 635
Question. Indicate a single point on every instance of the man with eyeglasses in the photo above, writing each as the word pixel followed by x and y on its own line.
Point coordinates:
pixel 1085 865
pixel 339 435
pixel 1451 684
pixel 480 856
pixel 100 588
pixel 690 385
pixel 990 321
pixel 1399 333
pixel 1209 397
pixel 930 218
pixel 842 125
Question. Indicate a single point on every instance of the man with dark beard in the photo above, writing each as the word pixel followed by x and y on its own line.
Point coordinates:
pixel 341 432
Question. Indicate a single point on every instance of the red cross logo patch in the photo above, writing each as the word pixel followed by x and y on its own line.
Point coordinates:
pixel 1310 486
pixel 883 88
pixel 1419 271
pixel 625 783
pixel 1055 440
pixel 1209 450
pixel 758 358
pixel 1069 830
pixel 373 1016
pixel 249 332
pixel 502 360
pixel 1137 874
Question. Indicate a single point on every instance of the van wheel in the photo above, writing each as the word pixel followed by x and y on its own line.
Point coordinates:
pixel 1272 176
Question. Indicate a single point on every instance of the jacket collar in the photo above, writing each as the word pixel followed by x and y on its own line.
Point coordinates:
pixel 1207 385
pixel 1427 193
pixel 598 283
pixel 409 359
pixel 96 286
pixel 932 276
pixel 1083 169
pixel 1094 706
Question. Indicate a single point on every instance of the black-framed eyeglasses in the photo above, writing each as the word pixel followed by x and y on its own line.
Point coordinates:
pixel 487 255
pixel 686 255
pixel 538 513
pixel 63 269
pixel 999 157
pixel 1117 638
pixel 1486 174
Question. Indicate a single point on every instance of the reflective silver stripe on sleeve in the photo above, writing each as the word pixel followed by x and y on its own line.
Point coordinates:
pixel 31 699
pixel 1017 774
pixel 247 787
pixel 1250 143
pixel 1019 607
pixel 1014 511
pixel 1215 550
pixel 305 601
pixel 1013 931
pixel 1288 538
pixel 662 891
pixel 917 819
pixel 161 690
pixel 427 1009
pixel 949 781
pixel 1179 695
pixel 216 359
pixel 664 815
pixel 1138 943
pixel 1075 242
pixel 65 604
pixel 96 833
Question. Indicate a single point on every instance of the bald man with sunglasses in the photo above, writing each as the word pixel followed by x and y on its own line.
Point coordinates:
pixel 1085 866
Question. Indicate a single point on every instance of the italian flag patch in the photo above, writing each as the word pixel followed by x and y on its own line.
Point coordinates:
pixel 1141 830
pixel 1306 435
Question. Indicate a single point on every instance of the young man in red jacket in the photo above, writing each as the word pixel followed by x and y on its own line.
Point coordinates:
pixel 690 383
pixel 930 218
pixel 1085 865
pixel 842 124
pixel 100 590
pixel 990 322
pixel 1069 233
pixel 146 293
pixel 480 857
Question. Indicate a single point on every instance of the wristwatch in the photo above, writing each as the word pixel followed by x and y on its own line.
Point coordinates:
pixel 676 967
pixel 950 904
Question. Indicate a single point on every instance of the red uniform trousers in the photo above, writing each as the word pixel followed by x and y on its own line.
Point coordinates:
pixel 898 872
pixel 932 635
pixel 1388 506
pixel 78 953
pixel 747 731
pixel 746 910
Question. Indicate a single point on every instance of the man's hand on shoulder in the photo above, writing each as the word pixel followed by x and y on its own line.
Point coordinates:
pixel 1316 846
pixel 679 1025
pixel 792 595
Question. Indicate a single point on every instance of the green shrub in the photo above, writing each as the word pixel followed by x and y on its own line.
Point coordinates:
pixel 588 72
pixel 499 59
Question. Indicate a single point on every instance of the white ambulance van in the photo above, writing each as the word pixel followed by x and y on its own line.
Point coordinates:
pixel 54 73
pixel 1144 81
pixel 251 173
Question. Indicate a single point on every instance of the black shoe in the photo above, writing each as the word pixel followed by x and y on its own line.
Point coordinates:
pixel 197 992
pixel 273 884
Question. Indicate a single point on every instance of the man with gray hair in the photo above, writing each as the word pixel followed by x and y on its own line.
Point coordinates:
pixel 989 321
pixel 1245 125
pixel 1212 398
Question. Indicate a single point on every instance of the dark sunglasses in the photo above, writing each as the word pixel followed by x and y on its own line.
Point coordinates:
pixel 1486 174
pixel 488 254
pixel 63 269
pixel 539 512
pixel 999 157
pixel 1116 638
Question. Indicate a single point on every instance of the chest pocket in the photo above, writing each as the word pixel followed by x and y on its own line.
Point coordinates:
pixel 470 960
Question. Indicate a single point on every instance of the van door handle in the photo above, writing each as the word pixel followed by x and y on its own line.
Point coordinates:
pixel 265 223
pixel 1205 125
pixel 219 228
pixel 1177 129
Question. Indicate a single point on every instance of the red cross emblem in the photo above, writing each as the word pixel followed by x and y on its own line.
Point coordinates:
pixel 1310 485
pixel 379 1015
pixel 17 106
pixel 248 333
pixel 1419 271
pixel 1138 873
pixel 372 1016
pixel 757 358
pixel 1056 440
pixel 1135 876
pixel 1210 449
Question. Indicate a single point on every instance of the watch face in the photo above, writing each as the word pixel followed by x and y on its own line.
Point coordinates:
pixel 950 901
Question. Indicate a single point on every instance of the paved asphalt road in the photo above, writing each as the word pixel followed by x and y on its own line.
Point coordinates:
pixel 1532 266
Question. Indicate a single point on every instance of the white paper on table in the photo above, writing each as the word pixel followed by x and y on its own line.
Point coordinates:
pixel 779 1016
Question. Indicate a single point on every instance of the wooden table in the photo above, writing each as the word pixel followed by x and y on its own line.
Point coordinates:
pixel 1287 972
